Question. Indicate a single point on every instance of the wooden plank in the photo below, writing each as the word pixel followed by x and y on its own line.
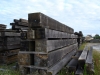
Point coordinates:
pixel 57 55
pixel 8 47
pixel 82 58
pixel 27 45
pixel 79 71
pixel 31 34
pixel 84 54
pixel 44 45
pixel 14 27
pixel 23 24
pixel 41 20
pixel 50 45
pixel 9 34
pixel 89 62
pixel 35 67
pixel 52 70
pixel 2 26
pixel 8 30
pixel 90 68
pixel 32 52
pixel 47 33
pixel 41 33
pixel 53 57
pixel 23 20
pixel 89 56
pixel 16 20
pixel 57 67
pixel 72 65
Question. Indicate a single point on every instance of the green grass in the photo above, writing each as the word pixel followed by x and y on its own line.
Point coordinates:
pixel 82 46
pixel 96 56
pixel 8 70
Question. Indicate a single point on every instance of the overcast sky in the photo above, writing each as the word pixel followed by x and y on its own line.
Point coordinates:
pixel 81 15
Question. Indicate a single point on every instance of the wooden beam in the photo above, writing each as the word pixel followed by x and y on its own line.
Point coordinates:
pixel 41 20
pixel 89 62
pixel 9 34
pixel 50 45
pixel 72 65
pixel 83 56
pixel 23 20
pixel 57 67
pixel 44 33
pixel 54 56
pixel 79 71
pixel 89 56
pixel 14 27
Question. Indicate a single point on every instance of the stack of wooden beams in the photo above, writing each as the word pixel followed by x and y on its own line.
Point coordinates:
pixel 49 46
pixel 9 46
pixel 21 24
pixel 77 64
pixel 2 27
pixel 80 38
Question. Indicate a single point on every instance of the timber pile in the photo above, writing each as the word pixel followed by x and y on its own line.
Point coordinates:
pixel 48 48
pixel 21 24
pixel 9 46
pixel 2 27
pixel 80 38
pixel 77 63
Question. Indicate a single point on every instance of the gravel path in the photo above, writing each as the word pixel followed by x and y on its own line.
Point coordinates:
pixel 96 46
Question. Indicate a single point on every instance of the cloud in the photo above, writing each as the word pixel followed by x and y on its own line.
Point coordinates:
pixel 83 15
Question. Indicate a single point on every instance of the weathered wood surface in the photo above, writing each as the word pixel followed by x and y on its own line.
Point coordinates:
pixel 3 34
pixel 27 45
pixel 41 33
pixel 14 27
pixel 45 45
pixel 10 40
pixel 8 60
pixel 89 62
pixel 16 20
pixel 57 67
pixel 50 45
pixel 83 56
pixel 7 57
pixel 41 20
pixel 8 47
pixel 21 24
pixel 54 69
pixel 31 34
pixel 53 57
pixel 89 56
pixel 72 65
pixel 2 26
pixel 79 71
pixel 23 20
pixel 8 30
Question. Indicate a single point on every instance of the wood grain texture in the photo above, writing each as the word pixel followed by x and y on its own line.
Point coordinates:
pixel 41 20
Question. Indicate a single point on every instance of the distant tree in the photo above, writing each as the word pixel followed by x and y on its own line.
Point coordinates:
pixel 96 36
